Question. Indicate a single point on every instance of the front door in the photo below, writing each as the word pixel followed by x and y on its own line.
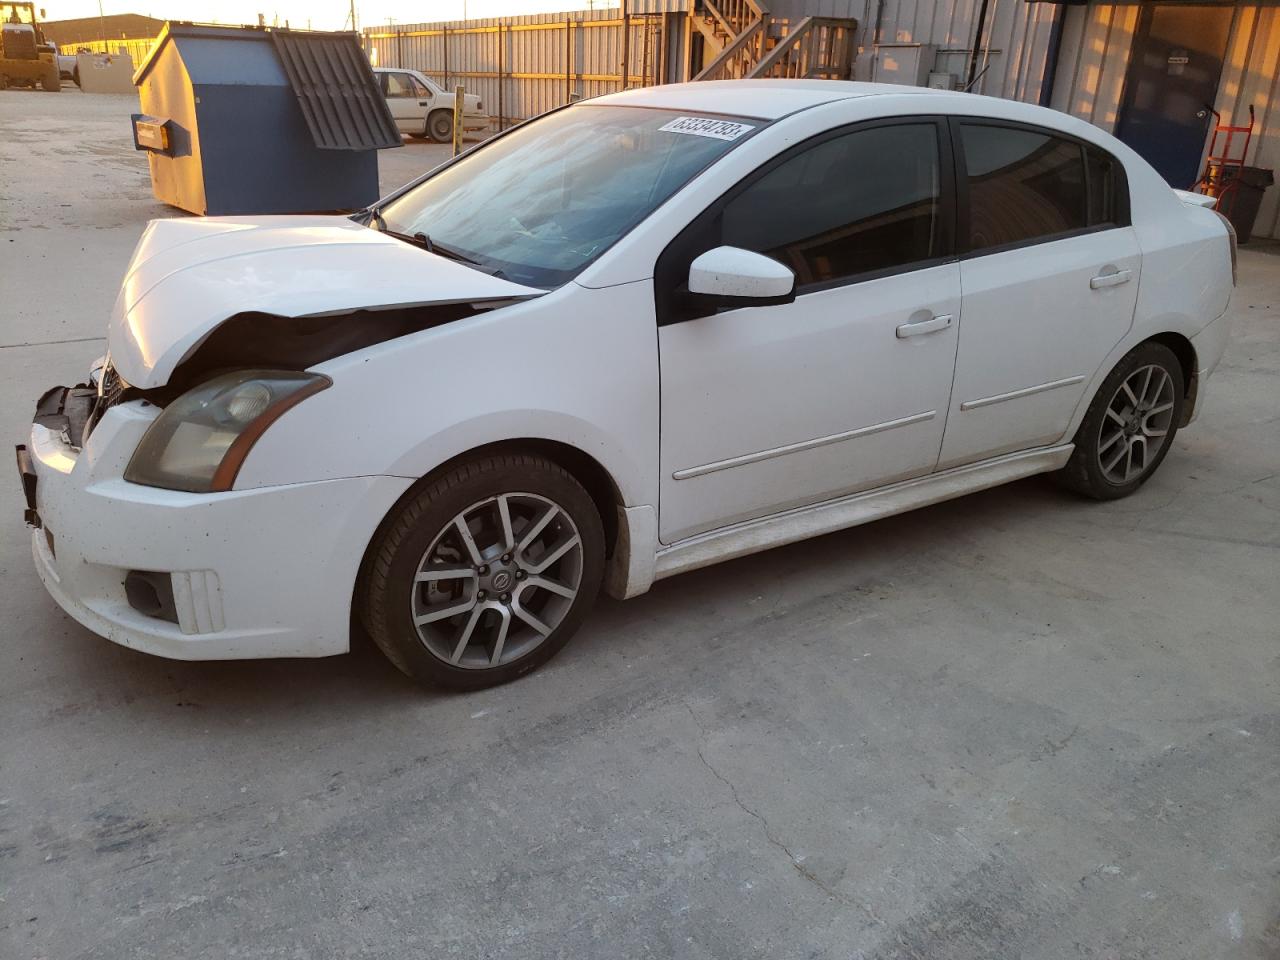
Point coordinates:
pixel 1172 82
pixel 771 407
pixel 404 94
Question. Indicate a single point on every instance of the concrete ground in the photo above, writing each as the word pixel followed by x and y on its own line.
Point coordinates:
pixel 1014 725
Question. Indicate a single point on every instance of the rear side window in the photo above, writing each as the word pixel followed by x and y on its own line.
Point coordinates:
pixel 1023 185
pixel 859 203
pixel 1107 206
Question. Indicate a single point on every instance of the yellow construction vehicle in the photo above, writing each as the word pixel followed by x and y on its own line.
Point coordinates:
pixel 26 57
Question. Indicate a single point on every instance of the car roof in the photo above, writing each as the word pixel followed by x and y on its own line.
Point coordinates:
pixel 763 99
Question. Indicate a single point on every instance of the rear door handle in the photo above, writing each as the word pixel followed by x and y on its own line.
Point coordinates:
pixel 1110 279
pixel 932 325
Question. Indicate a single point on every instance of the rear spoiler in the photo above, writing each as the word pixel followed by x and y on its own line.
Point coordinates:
pixel 1195 199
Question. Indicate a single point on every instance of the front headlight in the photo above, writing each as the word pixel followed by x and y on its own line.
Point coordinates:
pixel 200 440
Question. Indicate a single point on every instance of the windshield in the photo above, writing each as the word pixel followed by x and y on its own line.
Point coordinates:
pixel 544 201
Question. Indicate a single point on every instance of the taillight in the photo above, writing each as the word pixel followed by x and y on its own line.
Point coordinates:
pixel 1231 235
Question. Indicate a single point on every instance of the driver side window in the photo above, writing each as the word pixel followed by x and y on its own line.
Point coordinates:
pixel 860 203
pixel 856 204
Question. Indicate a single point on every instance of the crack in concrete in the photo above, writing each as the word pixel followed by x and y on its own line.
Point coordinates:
pixel 49 343
pixel 800 868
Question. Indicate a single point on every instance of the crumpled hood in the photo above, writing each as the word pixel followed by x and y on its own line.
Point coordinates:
pixel 187 276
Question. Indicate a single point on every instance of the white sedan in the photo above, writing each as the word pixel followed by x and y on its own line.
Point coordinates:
pixel 422 108
pixel 632 337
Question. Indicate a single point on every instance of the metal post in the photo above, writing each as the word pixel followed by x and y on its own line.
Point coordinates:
pixel 626 44
pixel 446 58
pixel 501 109
pixel 459 97
pixel 644 57
pixel 660 66
pixel 568 60
pixel 399 48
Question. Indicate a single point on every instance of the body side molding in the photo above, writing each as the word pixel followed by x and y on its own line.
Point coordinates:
pixel 752 536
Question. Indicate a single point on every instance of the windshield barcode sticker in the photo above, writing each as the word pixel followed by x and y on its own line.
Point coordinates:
pixel 706 127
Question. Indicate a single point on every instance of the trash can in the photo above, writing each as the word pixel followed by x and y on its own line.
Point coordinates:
pixel 1239 191
pixel 253 120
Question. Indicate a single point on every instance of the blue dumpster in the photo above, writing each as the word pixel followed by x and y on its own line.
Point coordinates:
pixel 251 120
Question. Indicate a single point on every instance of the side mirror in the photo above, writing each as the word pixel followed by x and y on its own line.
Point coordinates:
pixel 731 276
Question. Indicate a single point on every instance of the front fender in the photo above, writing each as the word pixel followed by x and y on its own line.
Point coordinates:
pixel 577 367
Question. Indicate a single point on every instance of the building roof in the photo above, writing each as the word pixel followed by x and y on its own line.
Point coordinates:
pixel 117 26
pixel 764 99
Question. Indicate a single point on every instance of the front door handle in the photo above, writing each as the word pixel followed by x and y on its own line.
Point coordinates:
pixel 932 325
pixel 1110 279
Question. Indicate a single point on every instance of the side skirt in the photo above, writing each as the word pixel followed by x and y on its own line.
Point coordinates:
pixel 752 536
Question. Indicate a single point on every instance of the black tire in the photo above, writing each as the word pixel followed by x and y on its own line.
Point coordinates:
pixel 389 592
pixel 440 126
pixel 1124 432
pixel 51 84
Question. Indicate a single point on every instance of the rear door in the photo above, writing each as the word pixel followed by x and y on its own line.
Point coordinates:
pixel 1050 269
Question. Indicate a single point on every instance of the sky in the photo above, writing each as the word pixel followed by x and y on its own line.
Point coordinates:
pixel 322 14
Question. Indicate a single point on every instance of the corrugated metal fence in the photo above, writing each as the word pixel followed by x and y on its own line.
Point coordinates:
pixel 137 49
pixel 524 66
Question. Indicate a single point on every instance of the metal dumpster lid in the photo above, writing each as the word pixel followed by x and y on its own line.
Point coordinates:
pixel 328 72
pixel 336 90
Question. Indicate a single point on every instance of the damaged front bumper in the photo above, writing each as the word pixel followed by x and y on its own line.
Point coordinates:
pixel 267 572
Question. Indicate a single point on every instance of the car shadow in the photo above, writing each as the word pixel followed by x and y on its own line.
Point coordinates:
pixel 282 692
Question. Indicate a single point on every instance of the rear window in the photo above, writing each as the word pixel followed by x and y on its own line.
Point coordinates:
pixel 1023 185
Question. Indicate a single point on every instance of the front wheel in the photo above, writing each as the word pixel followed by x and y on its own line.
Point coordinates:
pixel 485 573
pixel 1129 426
pixel 440 126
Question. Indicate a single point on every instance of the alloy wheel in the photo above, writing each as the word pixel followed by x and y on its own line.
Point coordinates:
pixel 497 580
pixel 1136 424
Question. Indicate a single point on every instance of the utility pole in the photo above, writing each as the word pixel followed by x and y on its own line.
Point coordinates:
pixel 354 27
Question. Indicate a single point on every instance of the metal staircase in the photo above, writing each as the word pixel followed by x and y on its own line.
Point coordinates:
pixel 746 41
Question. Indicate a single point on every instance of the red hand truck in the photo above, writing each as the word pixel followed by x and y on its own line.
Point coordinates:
pixel 1222 168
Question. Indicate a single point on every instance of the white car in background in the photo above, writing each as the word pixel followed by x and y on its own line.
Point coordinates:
pixel 422 108
pixel 635 336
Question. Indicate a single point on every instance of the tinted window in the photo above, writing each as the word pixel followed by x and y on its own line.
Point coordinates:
pixel 1104 188
pixel 1023 185
pixel 858 203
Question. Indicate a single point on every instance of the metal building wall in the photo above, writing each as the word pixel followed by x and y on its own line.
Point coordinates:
pixel 1014 47
pixel 524 66
pixel 1096 45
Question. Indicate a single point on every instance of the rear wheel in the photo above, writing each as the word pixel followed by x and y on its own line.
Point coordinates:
pixel 440 126
pixel 51 82
pixel 484 574
pixel 1129 426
